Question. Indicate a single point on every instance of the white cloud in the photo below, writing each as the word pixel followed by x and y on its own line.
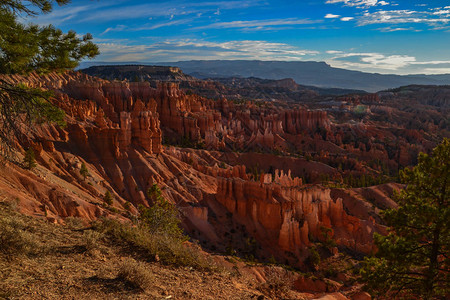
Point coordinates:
pixel 359 3
pixel 331 16
pixel 372 61
pixel 436 71
pixel 388 64
pixel 116 28
pixel 442 12
pixel 148 26
pixel 69 13
pixel 404 17
pixel 188 49
pixel 194 49
pixel 394 29
pixel 105 11
pixel 432 62
pixel 346 19
pixel 257 23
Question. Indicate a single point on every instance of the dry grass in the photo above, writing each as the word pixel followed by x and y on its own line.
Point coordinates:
pixel 15 237
pixel 93 243
pixel 92 239
pixel 74 223
pixel 278 283
pixel 65 268
pixel 167 249
pixel 136 274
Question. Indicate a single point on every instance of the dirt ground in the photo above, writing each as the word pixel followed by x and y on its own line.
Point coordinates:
pixel 52 261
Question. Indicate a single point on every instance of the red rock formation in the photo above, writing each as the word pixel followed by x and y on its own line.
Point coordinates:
pixel 297 121
pixel 291 214
pixel 117 127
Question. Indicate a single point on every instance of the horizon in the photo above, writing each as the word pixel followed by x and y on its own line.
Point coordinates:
pixel 373 36
pixel 94 63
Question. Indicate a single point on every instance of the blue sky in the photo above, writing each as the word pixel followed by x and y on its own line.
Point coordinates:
pixel 400 37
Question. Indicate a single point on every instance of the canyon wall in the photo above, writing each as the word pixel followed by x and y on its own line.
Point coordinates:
pixel 287 215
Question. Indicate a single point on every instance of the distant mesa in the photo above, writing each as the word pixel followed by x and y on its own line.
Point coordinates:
pixel 138 73
pixel 309 73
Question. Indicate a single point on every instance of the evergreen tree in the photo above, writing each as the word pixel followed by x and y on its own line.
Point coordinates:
pixel 162 216
pixel 108 198
pixel 412 261
pixel 84 171
pixel 25 48
pixel 29 160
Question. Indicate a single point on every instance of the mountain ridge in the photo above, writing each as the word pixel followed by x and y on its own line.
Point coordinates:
pixel 215 87
pixel 319 74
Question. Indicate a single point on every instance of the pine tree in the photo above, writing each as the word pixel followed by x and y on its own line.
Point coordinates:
pixel 25 48
pixel 84 171
pixel 29 160
pixel 413 259
pixel 108 198
pixel 162 216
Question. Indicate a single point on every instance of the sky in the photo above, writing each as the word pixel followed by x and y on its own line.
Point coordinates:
pixel 389 37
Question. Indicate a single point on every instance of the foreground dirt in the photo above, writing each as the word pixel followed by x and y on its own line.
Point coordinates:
pixel 72 262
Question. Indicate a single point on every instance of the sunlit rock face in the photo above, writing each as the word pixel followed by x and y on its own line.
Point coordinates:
pixel 291 214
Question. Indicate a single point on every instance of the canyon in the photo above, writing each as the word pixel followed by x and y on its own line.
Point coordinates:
pixel 271 180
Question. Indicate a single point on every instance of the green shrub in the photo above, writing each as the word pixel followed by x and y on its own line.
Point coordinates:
pixel 74 223
pixel 168 250
pixel 156 234
pixel 314 256
pixel 84 171
pixel 326 233
pixel 14 239
pixel 29 160
pixel 127 206
pixel 162 217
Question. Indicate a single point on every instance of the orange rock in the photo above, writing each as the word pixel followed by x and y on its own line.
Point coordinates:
pixel 361 296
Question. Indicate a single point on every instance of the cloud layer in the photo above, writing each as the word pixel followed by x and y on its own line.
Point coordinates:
pixel 386 36
pixel 173 50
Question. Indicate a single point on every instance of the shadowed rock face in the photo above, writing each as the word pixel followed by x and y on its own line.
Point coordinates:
pixel 116 128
